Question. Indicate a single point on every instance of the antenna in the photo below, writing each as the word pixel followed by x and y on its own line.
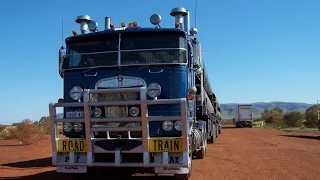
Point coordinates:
pixel 62 33
pixel 195 14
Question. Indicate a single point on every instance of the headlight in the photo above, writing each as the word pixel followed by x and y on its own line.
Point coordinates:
pixel 96 112
pixel 76 93
pixel 167 125
pixel 134 111
pixel 154 90
pixel 77 127
pixel 67 127
pixel 177 125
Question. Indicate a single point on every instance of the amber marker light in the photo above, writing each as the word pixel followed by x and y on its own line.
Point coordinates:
pixel 190 96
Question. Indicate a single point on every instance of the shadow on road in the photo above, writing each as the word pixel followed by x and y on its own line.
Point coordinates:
pixel 229 127
pixel 44 162
pixel 99 175
pixel 303 136
pixel 9 145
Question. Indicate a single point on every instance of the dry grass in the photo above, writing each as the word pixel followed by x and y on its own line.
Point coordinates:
pixel 26 132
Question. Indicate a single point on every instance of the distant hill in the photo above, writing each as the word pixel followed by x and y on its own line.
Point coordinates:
pixel 228 110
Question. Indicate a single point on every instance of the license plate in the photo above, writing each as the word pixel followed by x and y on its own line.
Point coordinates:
pixel 161 145
pixel 71 169
pixel 75 114
pixel 65 145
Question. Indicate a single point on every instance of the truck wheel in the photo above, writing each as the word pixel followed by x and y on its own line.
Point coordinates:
pixel 217 131
pixel 213 136
pixel 200 154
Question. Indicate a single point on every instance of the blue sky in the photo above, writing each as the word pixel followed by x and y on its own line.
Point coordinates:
pixel 254 50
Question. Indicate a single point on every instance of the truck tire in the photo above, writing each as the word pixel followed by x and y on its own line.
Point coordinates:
pixel 220 129
pixel 217 130
pixel 213 136
pixel 200 154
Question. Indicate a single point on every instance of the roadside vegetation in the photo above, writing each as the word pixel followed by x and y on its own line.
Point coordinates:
pixel 27 131
pixel 287 121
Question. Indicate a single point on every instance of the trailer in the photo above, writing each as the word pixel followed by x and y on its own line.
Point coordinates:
pixel 244 116
pixel 134 97
pixel 318 109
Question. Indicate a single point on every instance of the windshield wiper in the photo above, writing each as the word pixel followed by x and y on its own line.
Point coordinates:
pixel 93 68
pixel 150 64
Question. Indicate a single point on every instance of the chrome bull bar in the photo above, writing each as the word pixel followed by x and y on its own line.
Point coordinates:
pixel 144 119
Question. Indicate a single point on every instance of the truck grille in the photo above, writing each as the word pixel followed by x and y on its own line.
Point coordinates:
pixel 116 112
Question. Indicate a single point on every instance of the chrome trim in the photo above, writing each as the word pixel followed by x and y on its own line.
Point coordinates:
pixel 155 49
pixel 125 79
pixel 144 119
pixel 91 74
pixel 100 52
pixel 132 50
pixel 130 65
pixel 119 57
pixel 155 72
pixel 119 50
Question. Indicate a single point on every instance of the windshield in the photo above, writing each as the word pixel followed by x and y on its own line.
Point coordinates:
pixel 153 47
pixel 137 48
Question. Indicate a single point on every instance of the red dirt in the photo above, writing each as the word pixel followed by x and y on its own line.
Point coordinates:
pixel 248 153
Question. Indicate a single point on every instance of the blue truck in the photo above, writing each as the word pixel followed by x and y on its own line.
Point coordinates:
pixel 133 97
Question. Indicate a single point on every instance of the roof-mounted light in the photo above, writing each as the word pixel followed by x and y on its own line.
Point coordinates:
pixel 155 19
pixel 194 31
pixel 74 32
pixel 135 24
pixel 93 26
pixel 177 24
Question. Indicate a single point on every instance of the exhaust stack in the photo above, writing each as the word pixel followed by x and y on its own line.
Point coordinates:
pixel 179 14
pixel 107 21
pixel 83 21
pixel 187 22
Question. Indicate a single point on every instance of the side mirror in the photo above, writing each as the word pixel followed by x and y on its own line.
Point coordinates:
pixel 196 68
pixel 62 55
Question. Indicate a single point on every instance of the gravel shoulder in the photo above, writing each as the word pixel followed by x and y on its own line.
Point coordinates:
pixel 247 153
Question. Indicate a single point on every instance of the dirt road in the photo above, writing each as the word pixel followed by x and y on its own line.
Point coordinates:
pixel 250 153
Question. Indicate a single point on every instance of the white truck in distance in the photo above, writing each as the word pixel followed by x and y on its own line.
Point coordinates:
pixel 244 116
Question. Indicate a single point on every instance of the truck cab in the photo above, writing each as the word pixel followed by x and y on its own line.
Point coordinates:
pixel 129 98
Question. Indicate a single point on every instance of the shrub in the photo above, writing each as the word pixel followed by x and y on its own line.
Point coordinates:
pixel 293 119
pixel 273 116
pixel 227 121
pixel 311 118
pixel 27 132
pixel 8 132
